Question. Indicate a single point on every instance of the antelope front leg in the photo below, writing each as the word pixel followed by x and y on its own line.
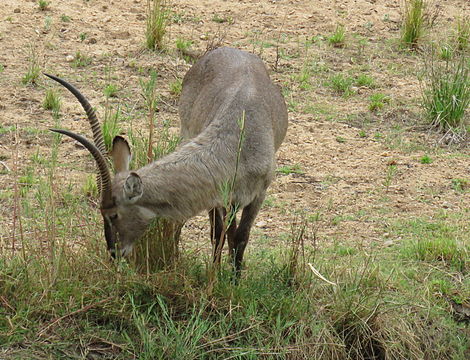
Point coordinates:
pixel 242 233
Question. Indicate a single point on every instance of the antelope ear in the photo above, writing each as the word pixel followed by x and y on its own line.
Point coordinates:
pixel 121 154
pixel 133 188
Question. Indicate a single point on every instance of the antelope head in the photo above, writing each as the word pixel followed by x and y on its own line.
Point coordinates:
pixel 124 219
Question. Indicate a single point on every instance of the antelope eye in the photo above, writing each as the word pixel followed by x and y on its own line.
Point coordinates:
pixel 113 217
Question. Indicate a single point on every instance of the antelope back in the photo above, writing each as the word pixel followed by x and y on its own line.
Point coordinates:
pixel 222 85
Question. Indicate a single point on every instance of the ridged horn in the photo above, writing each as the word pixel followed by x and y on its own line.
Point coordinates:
pixel 106 197
pixel 92 119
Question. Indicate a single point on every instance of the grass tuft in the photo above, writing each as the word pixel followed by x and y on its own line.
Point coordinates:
pixel 34 69
pixel 462 36
pixel 413 22
pixel 341 84
pixel 43 5
pixel 378 101
pixel 337 38
pixel 157 19
pixel 446 94
pixel 52 101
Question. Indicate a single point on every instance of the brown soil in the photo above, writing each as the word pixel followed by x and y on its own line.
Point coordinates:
pixel 344 173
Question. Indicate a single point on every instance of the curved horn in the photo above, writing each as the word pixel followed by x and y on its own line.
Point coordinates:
pixel 106 199
pixel 92 119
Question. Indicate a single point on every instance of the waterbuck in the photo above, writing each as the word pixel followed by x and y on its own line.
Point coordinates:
pixel 233 120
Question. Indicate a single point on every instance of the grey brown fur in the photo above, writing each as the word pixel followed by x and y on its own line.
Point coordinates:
pixel 225 86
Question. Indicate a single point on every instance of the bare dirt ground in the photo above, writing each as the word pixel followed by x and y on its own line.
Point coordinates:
pixel 359 170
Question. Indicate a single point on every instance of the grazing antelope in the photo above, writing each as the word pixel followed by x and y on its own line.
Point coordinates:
pixel 233 119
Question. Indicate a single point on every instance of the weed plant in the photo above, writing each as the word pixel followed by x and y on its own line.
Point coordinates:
pixel 337 38
pixel 341 84
pixel 414 22
pixel 43 5
pixel 110 90
pixel 446 95
pixel 176 87
pixel 52 101
pixel 111 126
pixel 157 19
pixel 462 36
pixel 81 60
pixel 183 45
pixel 34 69
pixel 378 101
pixel 425 159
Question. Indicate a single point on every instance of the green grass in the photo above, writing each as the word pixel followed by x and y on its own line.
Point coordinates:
pixel 176 87
pixel 337 38
pixel 157 19
pixel 425 159
pixel 435 241
pixel 391 302
pixel 182 44
pixel 341 84
pixel 460 185
pixel 222 19
pixel 446 52
pixel 365 80
pixel 462 35
pixel 34 69
pixel 111 126
pixel 81 60
pixel 378 101
pixel 413 22
pixel 290 169
pixel 446 94
pixel 43 5
pixel 52 101
pixel 110 90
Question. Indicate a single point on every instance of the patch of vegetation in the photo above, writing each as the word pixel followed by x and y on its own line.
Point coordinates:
pixel 157 19
pixel 110 90
pixel 90 187
pixel 435 241
pixel 414 22
pixel 111 125
pixel 337 38
pixel 341 84
pixel 222 19
pixel 34 69
pixel 81 60
pixel 462 36
pixel 43 5
pixel 359 308
pixel 377 101
pixel 65 18
pixel 52 101
pixel 460 184
pixel 446 94
pixel 290 169
pixel 365 80
pixel 425 159
pixel 176 86
pixel 182 44
pixel 83 36
pixel 303 77
pixel 446 52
